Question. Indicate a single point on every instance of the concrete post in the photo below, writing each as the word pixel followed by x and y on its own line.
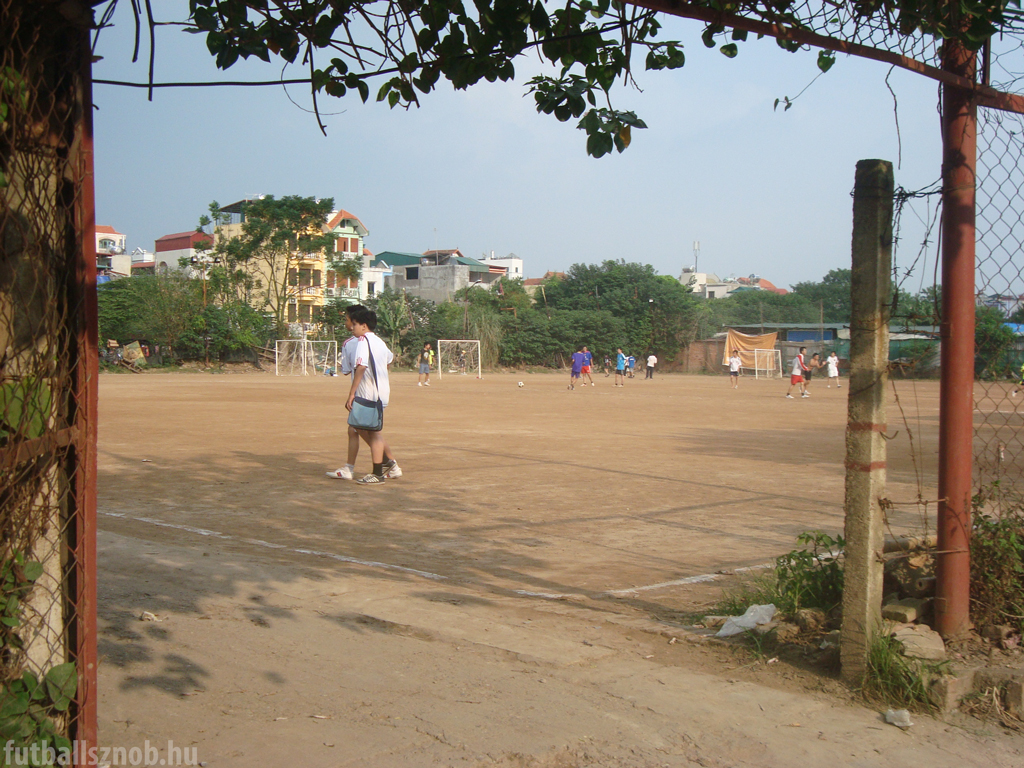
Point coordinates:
pixel 865 442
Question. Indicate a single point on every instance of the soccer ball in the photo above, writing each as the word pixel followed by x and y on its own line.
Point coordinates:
pixel 520 385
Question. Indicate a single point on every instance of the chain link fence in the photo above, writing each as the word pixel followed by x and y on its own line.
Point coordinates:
pixel 47 671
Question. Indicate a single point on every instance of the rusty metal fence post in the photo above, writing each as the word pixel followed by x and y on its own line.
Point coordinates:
pixel 956 406
pixel 48 379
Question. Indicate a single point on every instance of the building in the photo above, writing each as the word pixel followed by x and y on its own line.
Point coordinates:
pixel 708 285
pixel 304 282
pixel 171 249
pixel 349 245
pixel 440 274
pixel 112 260
pixel 513 264
pixel 534 285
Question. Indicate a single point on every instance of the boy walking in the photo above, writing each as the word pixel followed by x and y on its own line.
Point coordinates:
pixel 368 359
pixel 426 360
pixel 735 363
pixel 347 472
pixel 577 367
pixel 652 361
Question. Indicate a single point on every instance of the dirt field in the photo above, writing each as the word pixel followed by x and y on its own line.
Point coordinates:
pixel 500 604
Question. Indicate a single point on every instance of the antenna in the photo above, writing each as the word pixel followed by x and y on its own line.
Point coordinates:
pixel 696 254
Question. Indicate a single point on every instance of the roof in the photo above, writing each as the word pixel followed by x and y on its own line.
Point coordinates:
pixel 337 217
pixel 103 229
pixel 473 264
pixel 396 259
pixel 444 252
pixel 549 275
pixel 176 235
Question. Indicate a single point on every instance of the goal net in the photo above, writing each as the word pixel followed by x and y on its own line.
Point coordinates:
pixel 767 364
pixel 299 357
pixel 458 357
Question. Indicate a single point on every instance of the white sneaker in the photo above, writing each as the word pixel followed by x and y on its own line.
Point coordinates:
pixel 805 394
pixel 392 470
pixel 789 396
pixel 342 473
pixel 426 383
pixel 419 383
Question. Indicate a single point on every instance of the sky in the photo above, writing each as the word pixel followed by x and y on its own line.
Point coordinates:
pixel 765 192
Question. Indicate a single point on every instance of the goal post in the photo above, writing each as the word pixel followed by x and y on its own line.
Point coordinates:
pixel 767 364
pixel 301 357
pixel 458 357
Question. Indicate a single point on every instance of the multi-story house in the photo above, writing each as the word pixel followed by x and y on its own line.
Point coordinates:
pixel 111 257
pixel 303 282
pixel 190 246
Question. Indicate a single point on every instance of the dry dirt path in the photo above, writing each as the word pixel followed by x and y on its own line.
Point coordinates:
pixel 493 606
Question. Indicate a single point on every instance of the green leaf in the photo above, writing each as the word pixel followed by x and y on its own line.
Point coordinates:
pixel 33 570
pixel 61 685
pixel 825 60
pixel 730 50
pixel 10 621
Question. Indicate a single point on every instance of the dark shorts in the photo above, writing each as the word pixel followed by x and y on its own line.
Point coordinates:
pixel 807 375
pixel 424 368
pixel 574 375
pixel 734 373
pixel 620 371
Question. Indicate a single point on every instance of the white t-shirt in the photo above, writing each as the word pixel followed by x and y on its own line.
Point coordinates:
pixel 798 366
pixel 348 353
pixel 833 366
pixel 734 364
pixel 382 358
pixel 651 361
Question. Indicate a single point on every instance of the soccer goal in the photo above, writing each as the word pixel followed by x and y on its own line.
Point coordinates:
pixel 767 364
pixel 458 357
pixel 300 357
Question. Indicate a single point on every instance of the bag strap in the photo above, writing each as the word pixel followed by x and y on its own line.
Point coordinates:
pixel 373 367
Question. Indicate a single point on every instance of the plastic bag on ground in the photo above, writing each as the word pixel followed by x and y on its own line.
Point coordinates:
pixel 755 615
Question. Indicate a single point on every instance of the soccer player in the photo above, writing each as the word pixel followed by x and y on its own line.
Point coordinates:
pixel 426 360
pixel 832 361
pixel 631 364
pixel 651 362
pixel 607 366
pixel 735 363
pixel 620 368
pixel 588 361
pixel 814 364
pixel 577 367
pixel 796 378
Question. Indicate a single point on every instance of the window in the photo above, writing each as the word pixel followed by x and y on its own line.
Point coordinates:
pixel 331 279
pixel 371 288
pixel 292 313
pixel 304 313
pixel 293 277
pixel 317 278
pixel 304 277
pixel 412 273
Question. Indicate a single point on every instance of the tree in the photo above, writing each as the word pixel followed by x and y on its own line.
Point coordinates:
pixel 831 295
pixel 591 44
pixel 274 239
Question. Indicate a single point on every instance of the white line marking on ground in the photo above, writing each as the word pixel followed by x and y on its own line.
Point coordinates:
pixel 267 544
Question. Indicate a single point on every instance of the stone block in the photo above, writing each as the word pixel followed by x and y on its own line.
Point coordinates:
pixel 905 611
pixel 1015 698
pixel 920 642
pixel 786 632
pixel 947 691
